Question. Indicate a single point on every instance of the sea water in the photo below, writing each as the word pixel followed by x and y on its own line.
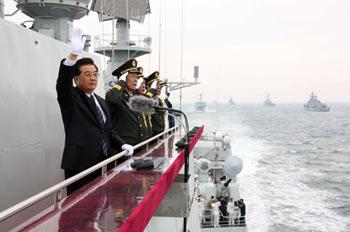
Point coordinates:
pixel 296 174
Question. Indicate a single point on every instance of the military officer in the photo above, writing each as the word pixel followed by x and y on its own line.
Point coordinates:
pixel 127 123
pixel 154 88
pixel 146 127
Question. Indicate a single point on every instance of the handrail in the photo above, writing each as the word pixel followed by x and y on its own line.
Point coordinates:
pixel 57 189
pixel 238 217
pixel 238 221
pixel 134 40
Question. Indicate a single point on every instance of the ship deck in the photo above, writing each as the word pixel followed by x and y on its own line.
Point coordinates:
pixel 124 200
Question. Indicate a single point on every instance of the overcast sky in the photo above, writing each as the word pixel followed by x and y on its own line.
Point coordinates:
pixel 247 48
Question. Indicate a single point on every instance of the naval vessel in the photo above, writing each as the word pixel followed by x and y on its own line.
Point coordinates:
pixel 268 101
pixel 166 198
pixel 231 102
pixel 313 104
pixel 200 105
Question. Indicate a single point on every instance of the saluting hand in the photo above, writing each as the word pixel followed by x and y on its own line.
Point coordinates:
pixel 123 77
pixel 154 85
pixel 139 82
pixel 77 41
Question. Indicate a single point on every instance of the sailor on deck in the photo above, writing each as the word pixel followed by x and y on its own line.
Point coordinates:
pixel 231 212
pixel 201 208
pixel 216 213
pixel 127 122
pixel 89 134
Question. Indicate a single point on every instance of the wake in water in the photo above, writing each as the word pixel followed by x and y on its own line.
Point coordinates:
pixel 295 175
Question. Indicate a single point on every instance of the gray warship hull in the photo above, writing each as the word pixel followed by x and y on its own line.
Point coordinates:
pixel 315 109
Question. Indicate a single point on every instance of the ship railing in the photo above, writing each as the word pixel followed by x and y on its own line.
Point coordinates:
pixel 108 41
pixel 224 221
pixel 211 151
pixel 57 190
pixel 211 135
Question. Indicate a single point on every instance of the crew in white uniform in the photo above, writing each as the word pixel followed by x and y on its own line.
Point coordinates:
pixel 231 213
pixel 216 212
pixel 201 208
pixel 236 212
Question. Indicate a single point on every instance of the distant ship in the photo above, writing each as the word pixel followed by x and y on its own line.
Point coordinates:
pixel 231 102
pixel 200 105
pixel 313 104
pixel 268 101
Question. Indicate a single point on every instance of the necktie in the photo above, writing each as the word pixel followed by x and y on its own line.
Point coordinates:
pixel 104 147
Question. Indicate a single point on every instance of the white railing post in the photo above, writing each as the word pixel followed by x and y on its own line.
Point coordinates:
pixel 104 171
pixel 58 197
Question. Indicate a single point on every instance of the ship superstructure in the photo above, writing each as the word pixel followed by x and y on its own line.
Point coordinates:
pixel 313 104
pixel 200 104
pixel 231 102
pixel 216 171
pixel 268 101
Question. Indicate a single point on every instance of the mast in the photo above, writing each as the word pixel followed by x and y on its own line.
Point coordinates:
pixel 123 46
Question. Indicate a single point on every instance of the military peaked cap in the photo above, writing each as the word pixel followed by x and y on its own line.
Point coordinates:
pixel 129 66
pixel 154 76
pixel 140 69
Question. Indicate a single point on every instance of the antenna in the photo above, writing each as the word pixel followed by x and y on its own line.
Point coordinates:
pixel 121 46
pixel 196 73
pixel 175 85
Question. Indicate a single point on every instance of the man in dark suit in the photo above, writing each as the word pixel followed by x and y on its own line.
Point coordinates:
pixel 89 135
pixel 171 120
pixel 128 123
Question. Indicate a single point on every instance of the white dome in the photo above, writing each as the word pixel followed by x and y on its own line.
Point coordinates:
pixel 232 166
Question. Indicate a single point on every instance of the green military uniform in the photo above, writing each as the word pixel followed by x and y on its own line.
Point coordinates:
pixel 148 125
pixel 144 124
pixel 128 124
pixel 158 118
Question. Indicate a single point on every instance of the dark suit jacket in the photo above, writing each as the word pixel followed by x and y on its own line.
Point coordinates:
pixel 127 122
pixel 84 133
pixel 171 119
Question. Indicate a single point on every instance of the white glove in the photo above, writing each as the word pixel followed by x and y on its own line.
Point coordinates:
pixel 77 41
pixel 129 148
pixel 123 77
pixel 154 85
pixel 139 82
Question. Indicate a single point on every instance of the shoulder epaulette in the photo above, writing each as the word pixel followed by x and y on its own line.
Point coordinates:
pixel 149 94
pixel 118 87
